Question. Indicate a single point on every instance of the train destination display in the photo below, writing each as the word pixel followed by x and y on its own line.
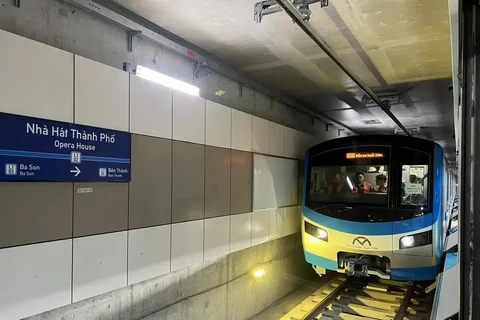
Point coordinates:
pixel 34 149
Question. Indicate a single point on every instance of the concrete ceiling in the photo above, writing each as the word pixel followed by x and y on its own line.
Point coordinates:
pixel 398 47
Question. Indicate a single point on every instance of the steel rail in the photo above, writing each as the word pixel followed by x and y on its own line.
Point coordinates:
pixel 328 299
pixel 402 311
pixel 297 17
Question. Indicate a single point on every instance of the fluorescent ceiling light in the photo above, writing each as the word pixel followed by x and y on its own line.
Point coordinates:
pixel 167 81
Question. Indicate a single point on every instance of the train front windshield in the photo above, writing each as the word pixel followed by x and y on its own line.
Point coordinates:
pixel 359 185
pixel 361 177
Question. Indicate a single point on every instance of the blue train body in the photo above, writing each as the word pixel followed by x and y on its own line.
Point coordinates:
pixel 360 230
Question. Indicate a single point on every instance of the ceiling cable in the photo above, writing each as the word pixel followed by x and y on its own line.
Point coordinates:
pixel 298 18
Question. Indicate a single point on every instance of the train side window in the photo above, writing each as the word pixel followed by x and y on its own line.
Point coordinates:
pixel 415 184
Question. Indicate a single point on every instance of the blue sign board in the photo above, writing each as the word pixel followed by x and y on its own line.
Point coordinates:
pixel 43 150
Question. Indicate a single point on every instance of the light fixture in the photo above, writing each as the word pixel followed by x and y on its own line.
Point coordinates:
pixel 322 234
pixel 416 240
pixel 166 81
pixel 258 273
pixel 316 232
pixel 407 241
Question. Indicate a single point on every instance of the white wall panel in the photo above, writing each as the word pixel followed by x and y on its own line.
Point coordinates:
pixel 242 130
pixel 148 253
pixel 218 125
pixel 275 182
pixel 292 143
pixel 150 108
pixel 292 220
pixel 188 118
pixel 187 244
pixel 276 223
pixel 295 145
pixel 36 80
pixel 264 193
pixel 277 139
pixel 261 135
pixel 101 95
pixel 260 226
pixel 240 231
pixel 99 264
pixel 289 195
pixel 217 237
pixel 35 278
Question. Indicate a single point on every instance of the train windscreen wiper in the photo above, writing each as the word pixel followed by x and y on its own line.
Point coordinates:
pixel 319 208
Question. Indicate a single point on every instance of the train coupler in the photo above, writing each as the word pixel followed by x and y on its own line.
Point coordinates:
pixel 354 267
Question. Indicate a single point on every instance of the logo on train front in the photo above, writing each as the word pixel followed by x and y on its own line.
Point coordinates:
pixel 364 242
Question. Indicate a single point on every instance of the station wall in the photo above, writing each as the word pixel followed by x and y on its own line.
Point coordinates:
pixel 195 165
pixel 191 197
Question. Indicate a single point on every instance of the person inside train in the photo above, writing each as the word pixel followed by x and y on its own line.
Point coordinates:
pixel 413 178
pixel 381 181
pixel 415 199
pixel 361 186
pixel 339 185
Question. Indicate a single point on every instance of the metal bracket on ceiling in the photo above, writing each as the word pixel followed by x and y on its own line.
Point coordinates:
pixel 387 99
pixel 271 102
pixel 16 3
pixel 339 131
pixel 201 70
pixel 411 131
pixel 130 35
pixel 387 104
pixel 127 67
pixel 328 125
pixel 267 7
pixel 240 89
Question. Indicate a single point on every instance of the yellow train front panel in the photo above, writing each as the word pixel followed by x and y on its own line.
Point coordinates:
pixel 416 263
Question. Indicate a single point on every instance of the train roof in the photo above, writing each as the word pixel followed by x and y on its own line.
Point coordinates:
pixel 400 140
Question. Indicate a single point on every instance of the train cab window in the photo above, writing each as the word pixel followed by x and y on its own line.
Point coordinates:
pixel 355 180
pixel 350 176
pixel 415 185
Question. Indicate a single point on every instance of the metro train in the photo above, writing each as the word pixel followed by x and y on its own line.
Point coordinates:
pixel 374 205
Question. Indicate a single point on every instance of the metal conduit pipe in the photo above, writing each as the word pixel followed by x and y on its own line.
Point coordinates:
pixel 298 18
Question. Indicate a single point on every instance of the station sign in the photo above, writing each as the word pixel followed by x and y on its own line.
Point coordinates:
pixel 34 149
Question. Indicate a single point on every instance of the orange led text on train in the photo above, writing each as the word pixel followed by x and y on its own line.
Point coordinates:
pixel 366 155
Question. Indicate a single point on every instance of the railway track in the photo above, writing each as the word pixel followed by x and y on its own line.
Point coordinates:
pixel 352 298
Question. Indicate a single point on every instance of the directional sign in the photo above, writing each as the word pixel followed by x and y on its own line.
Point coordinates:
pixel 43 150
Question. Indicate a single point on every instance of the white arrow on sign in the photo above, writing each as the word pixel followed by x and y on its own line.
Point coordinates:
pixel 76 171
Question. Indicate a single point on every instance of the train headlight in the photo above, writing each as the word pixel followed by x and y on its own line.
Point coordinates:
pixel 407 241
pixel 416 240
pixel 316 232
